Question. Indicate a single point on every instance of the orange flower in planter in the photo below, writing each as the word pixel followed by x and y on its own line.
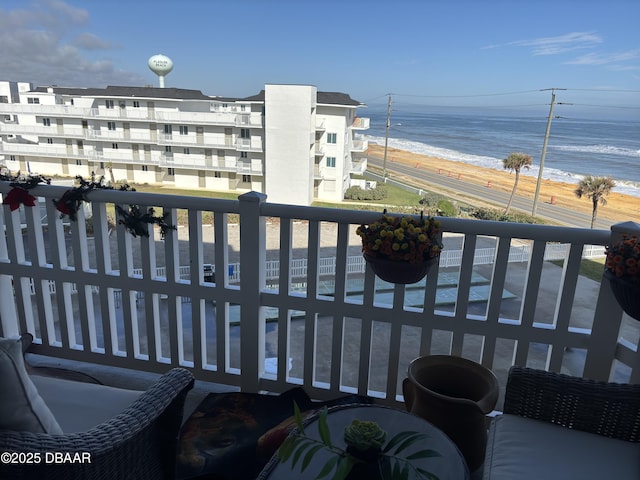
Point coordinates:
pixel 623 258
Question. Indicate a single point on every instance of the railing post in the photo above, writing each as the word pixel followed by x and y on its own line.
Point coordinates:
pixel 607 320
pixel 252 283
pixel 8 315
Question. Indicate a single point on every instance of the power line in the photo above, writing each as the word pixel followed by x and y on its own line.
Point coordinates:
pixel 607 106
pixel 603 90
pixel 464 96
pixel 495 94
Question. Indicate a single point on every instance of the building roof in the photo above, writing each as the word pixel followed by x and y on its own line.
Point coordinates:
pixel 133 92
pixel 327 98
pixel 337 98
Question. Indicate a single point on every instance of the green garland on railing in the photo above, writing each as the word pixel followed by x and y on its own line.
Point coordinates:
pixel 72 199
pixel 21 183
pixel 135 220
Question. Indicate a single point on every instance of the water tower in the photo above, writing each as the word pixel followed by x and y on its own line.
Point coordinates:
pixel 161 65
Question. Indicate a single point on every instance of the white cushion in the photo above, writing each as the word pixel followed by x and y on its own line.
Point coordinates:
pixel 79 406
pixel 21 407
pixel 521 448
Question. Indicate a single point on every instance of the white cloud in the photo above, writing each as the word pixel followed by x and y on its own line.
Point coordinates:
pixel 44 43
pixel 606 58
pixel 560 44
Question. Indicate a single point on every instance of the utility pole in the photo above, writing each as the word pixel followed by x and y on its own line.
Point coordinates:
pixel 386 141
pixel 544 149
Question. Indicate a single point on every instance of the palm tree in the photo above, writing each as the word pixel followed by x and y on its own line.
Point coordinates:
pixel 514 162
pixel 595 188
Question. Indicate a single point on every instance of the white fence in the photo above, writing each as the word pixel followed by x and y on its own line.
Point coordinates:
pixel 534 312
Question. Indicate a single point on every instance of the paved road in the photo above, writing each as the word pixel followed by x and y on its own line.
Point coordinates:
pixel 463 190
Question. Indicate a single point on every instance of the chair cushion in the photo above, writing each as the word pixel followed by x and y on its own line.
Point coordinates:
pixel 522 448
pixel 79 406
pixel 21 407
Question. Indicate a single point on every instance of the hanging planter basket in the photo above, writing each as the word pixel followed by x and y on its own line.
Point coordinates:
pixel 393 271
pixel 627 294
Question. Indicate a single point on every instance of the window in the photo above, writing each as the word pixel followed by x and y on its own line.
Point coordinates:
pixel 332 138
pixel 243 108
pixel 111 125
pixel 50 141
pixel 245 133
pixel 102 165
pixel 171 172
pixel 246 178
pixel 145 168
pixel 136 104
pixel 167 129
pixel 78 162
pixel 167 148
pixel 135 148
pixel 108 103
pixel 331 161
pixel 114 146
pixel 184 130
pixel 12 158
pixel 186 151
pixel 4 99
pixel 217 175
pixel 33 100
pixel 243 155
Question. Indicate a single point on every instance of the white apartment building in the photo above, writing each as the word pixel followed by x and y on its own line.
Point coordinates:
pixel 291 142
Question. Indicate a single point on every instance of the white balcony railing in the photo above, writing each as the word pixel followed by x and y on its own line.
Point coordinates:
pixel 360 145
pixel 41 150
pixel 301 295
pixel 41 130
pixel 360 123
pixel 44 110
pixel 358 167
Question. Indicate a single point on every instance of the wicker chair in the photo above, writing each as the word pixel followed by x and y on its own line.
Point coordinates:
pixel 608 409
pixel 538 404
pixel 139 443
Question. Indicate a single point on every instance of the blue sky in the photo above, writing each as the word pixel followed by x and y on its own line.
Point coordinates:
pixel 439 53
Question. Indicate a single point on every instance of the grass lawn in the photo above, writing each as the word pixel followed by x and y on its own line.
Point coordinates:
pixel 590 268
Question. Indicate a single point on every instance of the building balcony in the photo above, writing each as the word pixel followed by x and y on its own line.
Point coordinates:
pixel 296 295
pixel 43 131
pixel 44 110
pixel 360 123
pixel 248 144
pixel 359 166
pixel 172 139
pixel 124 157
pixel 131 113
pixel 360 146
pixel 128 136
pixel 41 150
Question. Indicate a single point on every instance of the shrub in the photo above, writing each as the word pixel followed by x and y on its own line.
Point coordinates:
pixel 357 193
pixel 447 209
pixel 500 216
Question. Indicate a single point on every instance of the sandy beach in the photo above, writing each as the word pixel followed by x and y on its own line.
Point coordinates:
pixel 619 207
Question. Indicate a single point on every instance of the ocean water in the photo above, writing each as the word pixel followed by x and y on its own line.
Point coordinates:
pixel 576 147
